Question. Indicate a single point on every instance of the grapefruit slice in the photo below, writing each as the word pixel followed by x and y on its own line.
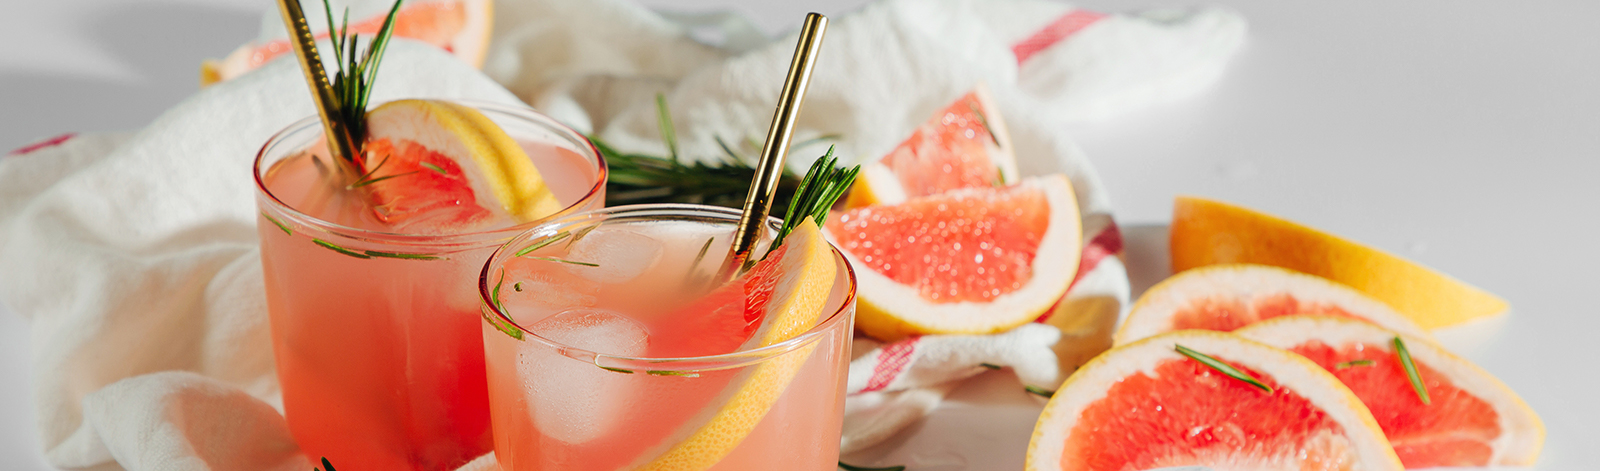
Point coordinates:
pixel 1472 420
pixel 434 167
pixel 461 27
pixel 1206 232
pixel 1227 297
pixel 964 145
pixel 792 291
pixel 969 261
pixel 1144 405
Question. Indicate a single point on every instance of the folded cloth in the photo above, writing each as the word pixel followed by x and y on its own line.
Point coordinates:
pixel 134 256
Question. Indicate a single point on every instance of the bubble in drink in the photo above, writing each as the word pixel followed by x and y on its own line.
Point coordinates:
pixel 572 400
pixel 622 255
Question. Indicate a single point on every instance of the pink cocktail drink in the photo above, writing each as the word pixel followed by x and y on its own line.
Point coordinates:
pixel 609 346
pixel 375 330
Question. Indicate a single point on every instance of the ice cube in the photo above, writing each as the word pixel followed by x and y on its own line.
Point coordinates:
pixel 534 289
pixel 620 253
pixel 574 400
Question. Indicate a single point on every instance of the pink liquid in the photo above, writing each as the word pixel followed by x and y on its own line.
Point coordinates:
pixel 380 359
pixel 556 409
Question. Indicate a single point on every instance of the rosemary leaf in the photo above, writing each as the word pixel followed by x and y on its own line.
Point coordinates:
pixel 823 184
pixel 336 248
pixel 542 243
pixel 517 286
pixel 1223 368
pixel 362 183
pixel 494 320
pixel 325 464
pixel 673 373
pixel 607 368
pixel 562 260
pixel 436 168
pixel 847 467
pixel 405 256
pixel 1352 363
pixel 1038 391
pixel 278 223
pixel 991 366
pixel 1411 371
pixel 669 135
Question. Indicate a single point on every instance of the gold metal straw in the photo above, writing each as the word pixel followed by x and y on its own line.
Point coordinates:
pixel 341 144
pixel 765 185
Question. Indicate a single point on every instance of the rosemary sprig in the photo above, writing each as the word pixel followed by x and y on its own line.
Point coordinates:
pixel 367 254
pixel 494 297
pixel 542 243
pixel 640 178
pixel 1411 371
pixel 991 366
pixel 1038 391
pixel 1352 363
pixel 824 183
pixel 847 467
pixel 1223 368
pixel 336 248
pixel 278 223
pixel 325 464
pixel 435 167
pixel 357 71
pixel 562 260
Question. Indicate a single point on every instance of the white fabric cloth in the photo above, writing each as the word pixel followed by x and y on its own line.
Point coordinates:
pixel 134 255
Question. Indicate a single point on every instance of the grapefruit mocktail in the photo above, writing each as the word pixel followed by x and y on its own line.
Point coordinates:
pixel 610 346
pixel 370 283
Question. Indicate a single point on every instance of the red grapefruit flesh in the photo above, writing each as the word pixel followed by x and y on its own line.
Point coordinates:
pixel 1471 420
pixel 420 199
pixel 1227 297
pixel 973 260
pixel 723 320
pixel 1143 406
pixel 964 145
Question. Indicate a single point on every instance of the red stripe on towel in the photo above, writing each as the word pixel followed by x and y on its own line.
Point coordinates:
pixel 1057 30
pixel 891 362
pixel 51 142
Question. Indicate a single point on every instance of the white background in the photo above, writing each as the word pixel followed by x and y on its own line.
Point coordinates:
pixel 1461 134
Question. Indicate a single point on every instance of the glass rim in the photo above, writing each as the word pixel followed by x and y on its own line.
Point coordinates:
pixel 474 238
pixel 678 364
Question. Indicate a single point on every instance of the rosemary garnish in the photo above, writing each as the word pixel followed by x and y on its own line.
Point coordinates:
pixel 608 368
pixel 278 223
pixel 640 178
pixel 494 320
pixel 1038 391
pixel 991 366
pixel 542 243
pixel 517 286
pixel 337 248
pixel 847 467
pixel 1223 368
pixel 581 233
pixel 325 464
pixel 562 260
pixel 1352 363
pixel 436 168
pixel 823 185
pixel 691 278
pixel 984 121
pixel 1411 370
pixel 357 71
pixel 673 373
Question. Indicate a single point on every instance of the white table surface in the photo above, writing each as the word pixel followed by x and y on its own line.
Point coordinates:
pixel 1461 134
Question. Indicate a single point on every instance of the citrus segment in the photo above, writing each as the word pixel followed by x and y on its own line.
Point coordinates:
pixel 799 282
pixel 1227 297
pixel 964 145
pixel 1472 418
pixel 460 27
pixel 1206 232
pixel 974 260
pixel 1143 406
pixel 436 167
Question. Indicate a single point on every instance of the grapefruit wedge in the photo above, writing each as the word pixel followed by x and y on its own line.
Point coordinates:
pixel 1472 419
pixel 1227 297
pixel 790 288
pixel 434 167
pixel 1206 232
pixel 968 261
pixel 460 27
pixel 964 145
pixel 1144 405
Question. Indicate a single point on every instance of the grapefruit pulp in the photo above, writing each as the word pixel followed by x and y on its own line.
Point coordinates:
pixel 1227 297
pixel 968 261
pixel 964 145
pixel 1472 419
pixel 1143 406
pixel 460 27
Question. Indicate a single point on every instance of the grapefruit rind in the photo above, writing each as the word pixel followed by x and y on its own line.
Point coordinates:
pixel 496 164
pixel 802 293
pixel 1091 383
pixel 1522 431
pixel 1152 313
pixel 889 311
pixel 1206 232
pixel 878 184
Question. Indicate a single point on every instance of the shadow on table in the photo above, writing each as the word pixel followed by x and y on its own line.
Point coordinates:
pixel 1144 250
pixel 163 43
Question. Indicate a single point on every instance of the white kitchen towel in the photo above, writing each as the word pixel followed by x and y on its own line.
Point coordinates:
pixel 134 256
